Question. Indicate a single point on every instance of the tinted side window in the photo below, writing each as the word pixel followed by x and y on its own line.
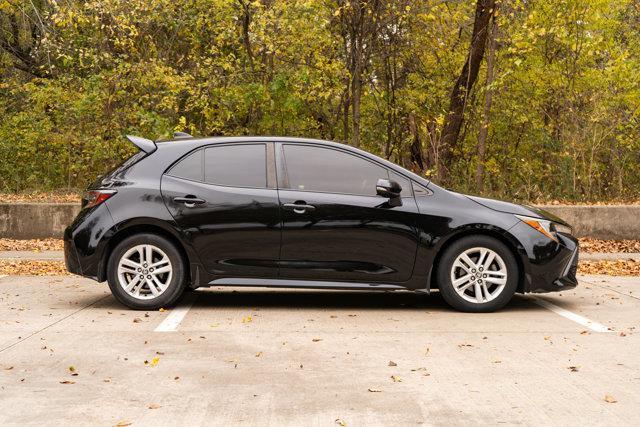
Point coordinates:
pixel 236 165
pixel 190 167
pixel 328 170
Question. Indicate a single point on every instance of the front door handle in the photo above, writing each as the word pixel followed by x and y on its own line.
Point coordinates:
pixel 189 201
pixel 299 207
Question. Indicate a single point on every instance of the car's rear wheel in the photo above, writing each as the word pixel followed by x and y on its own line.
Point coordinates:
pixel 146 271
pixel 477 274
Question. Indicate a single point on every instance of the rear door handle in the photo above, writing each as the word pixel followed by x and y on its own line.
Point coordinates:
pixel 299 208
pixel 189 201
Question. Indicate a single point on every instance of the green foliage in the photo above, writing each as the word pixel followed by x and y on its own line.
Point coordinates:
pixel 78 75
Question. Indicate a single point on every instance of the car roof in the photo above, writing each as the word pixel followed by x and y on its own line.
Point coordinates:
pixel 195 142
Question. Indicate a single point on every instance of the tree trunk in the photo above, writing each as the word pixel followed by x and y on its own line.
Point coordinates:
pixel 462 87
pixel 488 98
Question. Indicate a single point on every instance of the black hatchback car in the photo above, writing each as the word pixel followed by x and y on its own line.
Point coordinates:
pixel 304 213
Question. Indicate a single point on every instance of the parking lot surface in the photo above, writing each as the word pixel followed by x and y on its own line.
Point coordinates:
pixel 70 354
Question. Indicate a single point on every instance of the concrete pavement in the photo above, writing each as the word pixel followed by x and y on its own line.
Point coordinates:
pixel 275 357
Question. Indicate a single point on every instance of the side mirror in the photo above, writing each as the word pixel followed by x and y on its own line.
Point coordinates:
pixel 388 188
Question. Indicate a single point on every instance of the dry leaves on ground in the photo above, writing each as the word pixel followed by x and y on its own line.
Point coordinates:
pixel 33 268
pixel 612 268
pixel 35 245
pixel 609 246
pixel 40 198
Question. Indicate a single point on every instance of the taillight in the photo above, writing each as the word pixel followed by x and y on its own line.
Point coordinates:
pixel 95 197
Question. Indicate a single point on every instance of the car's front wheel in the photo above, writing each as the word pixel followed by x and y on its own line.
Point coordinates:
pixel 477 274
pixel 146 271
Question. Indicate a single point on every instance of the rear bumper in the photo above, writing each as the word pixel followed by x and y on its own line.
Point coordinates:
pixel 71 260
pixel 84 242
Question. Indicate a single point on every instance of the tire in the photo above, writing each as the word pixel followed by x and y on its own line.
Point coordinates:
pixel 487 276
pixel 128 263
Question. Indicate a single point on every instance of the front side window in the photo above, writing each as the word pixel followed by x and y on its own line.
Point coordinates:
pixel 331 171
pixel 236 165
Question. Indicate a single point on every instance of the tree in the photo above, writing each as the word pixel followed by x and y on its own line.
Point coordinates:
pixel 462 87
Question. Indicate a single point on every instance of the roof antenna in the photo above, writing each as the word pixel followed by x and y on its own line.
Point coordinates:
pixel 181 135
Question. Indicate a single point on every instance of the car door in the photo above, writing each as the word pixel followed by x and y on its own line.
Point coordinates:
pixel 335 227
pixel 224 198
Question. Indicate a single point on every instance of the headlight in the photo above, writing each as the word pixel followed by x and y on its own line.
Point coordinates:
pixel 546 227
pixel 562 228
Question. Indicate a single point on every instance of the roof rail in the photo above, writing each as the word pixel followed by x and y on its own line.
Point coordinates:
pixel 146 145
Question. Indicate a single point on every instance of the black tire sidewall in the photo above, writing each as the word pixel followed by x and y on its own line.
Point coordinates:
pixel 448 258
pixel 178 280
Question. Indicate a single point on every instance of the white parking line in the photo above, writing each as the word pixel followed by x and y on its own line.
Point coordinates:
pixel 177 314
pixel 594 326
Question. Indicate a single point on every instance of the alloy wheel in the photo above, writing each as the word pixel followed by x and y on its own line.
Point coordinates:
pixel 479 275
pixel 144 271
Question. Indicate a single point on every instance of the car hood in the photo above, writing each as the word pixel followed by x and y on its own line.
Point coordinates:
pixel 516 209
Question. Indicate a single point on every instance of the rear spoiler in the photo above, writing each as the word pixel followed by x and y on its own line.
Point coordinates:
pixel 146 145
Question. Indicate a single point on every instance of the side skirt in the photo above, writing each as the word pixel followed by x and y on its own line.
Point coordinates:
pixel 312 284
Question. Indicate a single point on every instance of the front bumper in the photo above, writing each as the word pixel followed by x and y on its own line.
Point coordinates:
pixel 548 266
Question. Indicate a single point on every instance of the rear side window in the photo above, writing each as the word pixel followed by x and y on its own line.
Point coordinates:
pixel 236 165
pixel 189 167
pixel 332 171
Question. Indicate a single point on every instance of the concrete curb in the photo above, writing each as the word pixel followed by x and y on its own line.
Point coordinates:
pixel 36 220
pixel 616 222
pixel 43 220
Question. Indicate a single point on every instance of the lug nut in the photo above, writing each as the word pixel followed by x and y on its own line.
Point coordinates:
pixel 148 277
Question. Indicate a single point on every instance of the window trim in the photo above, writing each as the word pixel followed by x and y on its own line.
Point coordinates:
pixel 283 175
pixel 270 178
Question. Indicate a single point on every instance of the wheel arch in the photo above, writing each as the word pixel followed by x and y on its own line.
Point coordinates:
pixel 499 234
pixel 118 234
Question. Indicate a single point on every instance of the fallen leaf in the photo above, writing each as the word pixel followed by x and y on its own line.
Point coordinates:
pixel 155 361
pixel 585 332
pixel 154 406
pixel 67 382
pixel 258 354
pixel 375 390
pixel 124 423
pixel 573 368
pixel 609 399
pixel 622 334
pixel 247 319
pixel 73 371
pixel 391 363
pixel 9 368
pixel 316 339
pixel 162 310
pixel 340 422
pixel 396 379
pixel 137 320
